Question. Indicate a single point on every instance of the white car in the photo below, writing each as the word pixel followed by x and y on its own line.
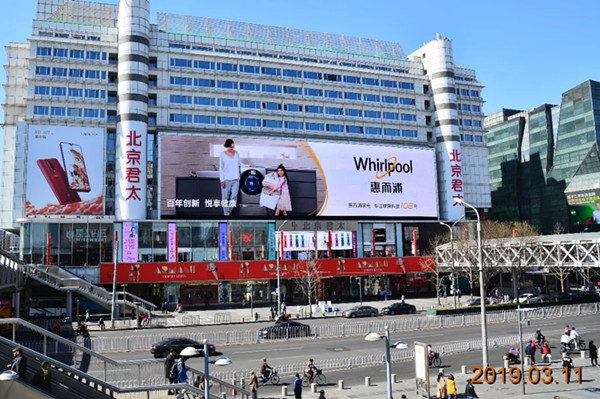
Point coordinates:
pixel 529 298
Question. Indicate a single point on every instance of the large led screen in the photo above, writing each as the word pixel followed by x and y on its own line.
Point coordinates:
pixel 321 179
pixel 584 207
pixel 64 170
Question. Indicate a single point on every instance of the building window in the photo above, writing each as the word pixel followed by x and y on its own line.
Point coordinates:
pixel 204 65
pixel 478 139
pixel 271 71
pixel 250 122
pixel 353 112
pixel 313 75
pixel 373 114
pixel 354 129
pixel 249 69
pixel 333 94
pixel 174 99
pixel 335 128
pixel 226 120
pixel 469 137
pixel 249 86
pixel 334 111
pixel 203 82
pixel 389 83
pixel 77 54
pixel 271 123
pixel 223 66
pixel 407 86
pixel 467 122
pixel 44 51
pixel 227 102
pixel 370 81
pixel 204 101
pixel 476 123
pixel 292 107
pixel 92 93
pixel 409 133
pixel 74 112
pixel 292 73
pixel 373 130
pixel 42 90
pixel 59 91
pixel 249 104
pixel 332 78
pixel 390 115
pixel 75 73
pixel 315 126
pixel 407 101
pixel 351 96
pixel 474 93
pixel 92 74
pixel 294 125
pixel 464 92
pixel 465 107
pixel 226 84
pixel 371 97
pixel 40 110
pixel 271 106
pixel 271 88
pixel 389 100
pixel 408 117
pixel 92 55
pixel 62 71
pixel 180 118
pixel 90 113
pixel 178 62
pixel 313 92
pixel 204 119
pixel 391 132
pixel 292 90
pixel 180 80
pixel 57 111
pixel 75 92
pixel 352 79
pixel 475 108
pixel 60 52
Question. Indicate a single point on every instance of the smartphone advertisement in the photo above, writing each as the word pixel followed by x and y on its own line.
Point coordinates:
pixel 64 170
pixel 201 177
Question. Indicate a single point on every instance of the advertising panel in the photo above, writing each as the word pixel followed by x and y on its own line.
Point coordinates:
pixel 157 272
pixel 64 170
pixel 172 230
pixel 130 170
pixel 130 241
pixel 584 207
pixel 199 179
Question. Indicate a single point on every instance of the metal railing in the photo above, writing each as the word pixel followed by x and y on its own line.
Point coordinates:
pixel 11 270
pixel 143 375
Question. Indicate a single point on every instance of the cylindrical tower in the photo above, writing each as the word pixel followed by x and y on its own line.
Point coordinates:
pixel 437 60
pixel 132 109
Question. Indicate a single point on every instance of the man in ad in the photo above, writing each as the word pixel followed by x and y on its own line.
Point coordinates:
pixel 229 175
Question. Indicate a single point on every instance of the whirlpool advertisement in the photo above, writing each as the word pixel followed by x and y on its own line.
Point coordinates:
pixel 203 176
pixel 64 170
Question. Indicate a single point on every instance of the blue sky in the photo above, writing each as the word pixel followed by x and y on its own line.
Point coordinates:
pixel 525 52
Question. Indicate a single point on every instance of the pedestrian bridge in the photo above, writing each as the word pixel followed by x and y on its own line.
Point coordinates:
pixel 568 251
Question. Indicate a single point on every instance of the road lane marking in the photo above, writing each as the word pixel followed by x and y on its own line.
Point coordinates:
pixel 268 350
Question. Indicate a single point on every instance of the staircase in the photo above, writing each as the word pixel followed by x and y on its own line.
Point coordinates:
pixel 12 272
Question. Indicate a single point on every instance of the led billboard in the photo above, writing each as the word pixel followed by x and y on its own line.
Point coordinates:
pixel 64 170
pixel 323 179
pixel 584 207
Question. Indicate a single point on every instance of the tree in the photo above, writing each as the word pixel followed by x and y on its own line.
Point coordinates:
pixel 306 275
pixel 428 264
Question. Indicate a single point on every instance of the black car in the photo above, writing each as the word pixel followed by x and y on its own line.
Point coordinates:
pixel 399 308
pixel 163 348
pixel 285 329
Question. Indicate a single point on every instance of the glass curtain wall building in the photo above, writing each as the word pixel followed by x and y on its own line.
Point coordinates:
pixel 120 122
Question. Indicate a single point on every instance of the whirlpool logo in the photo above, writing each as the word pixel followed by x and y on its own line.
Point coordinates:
pixel 383 168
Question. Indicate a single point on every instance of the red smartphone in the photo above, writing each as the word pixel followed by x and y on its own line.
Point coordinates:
pixel 74 164
pixel 57 179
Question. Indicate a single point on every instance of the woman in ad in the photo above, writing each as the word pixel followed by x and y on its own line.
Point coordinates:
pixel 284 204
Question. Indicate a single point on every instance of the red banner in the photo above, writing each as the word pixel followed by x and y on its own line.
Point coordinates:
pixel 159 272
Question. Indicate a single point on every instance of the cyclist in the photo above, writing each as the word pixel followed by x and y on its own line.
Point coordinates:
pixel 265 369
pixel 430 351
pixel 311 369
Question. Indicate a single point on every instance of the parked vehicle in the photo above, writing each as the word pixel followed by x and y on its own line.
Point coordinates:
pixel 529 298
pixel 361 311
pixel 163 348
pixel 286 329
pixel 476 302
pixel 399 308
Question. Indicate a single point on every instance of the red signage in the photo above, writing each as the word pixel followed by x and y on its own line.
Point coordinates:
pixel 159 272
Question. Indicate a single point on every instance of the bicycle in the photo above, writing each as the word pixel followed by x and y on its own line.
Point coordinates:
pixel 318 378
pixel 273 378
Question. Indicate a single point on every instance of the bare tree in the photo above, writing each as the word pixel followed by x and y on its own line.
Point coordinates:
pixel 428 264
pixel 306 275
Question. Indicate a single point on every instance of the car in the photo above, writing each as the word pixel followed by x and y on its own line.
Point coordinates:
pixel 561 296
pixel 476 302
pixel 285 329
pixel 399 308
pixel 361 311
pixel 529 298
pixel 163 348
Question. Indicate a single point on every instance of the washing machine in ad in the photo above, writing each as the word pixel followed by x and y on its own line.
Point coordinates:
pixel 250 188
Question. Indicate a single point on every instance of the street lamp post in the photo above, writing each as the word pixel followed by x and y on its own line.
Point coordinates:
pixel 484 347
pixel 388 358
pixel 452 255
pixel 113 308
pixel 279 256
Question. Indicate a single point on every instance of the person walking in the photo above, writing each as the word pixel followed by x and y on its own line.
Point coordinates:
pixel 170 369
pixel 253 385
pixel 322 395
pixel 567 363
pixel 470 390
pixel 42 378
pixel 442 391
pixel 593 353
pixel 19 363
pixel 451 387
pixel 297 387
pixel 87 316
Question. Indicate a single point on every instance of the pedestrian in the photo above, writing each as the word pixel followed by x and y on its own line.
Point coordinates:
pixel 101 323
pixel 546 356
pixel 470 390
pixel 19 363
pixel 574 337
pixel 283 308
pixel 322 395
pixel 297 387
pixel 87 316
pixel 181 371
pixel 567 363
pixel 42 377
pixel 593 353
pixel 169 372
pixel 442 391
pixel 273 311
pixel 451 387
pixel 163 307
pixel 253 385
pixel 530 352
pixel 403 396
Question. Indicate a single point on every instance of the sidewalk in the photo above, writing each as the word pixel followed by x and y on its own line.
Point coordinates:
pixel 588 389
